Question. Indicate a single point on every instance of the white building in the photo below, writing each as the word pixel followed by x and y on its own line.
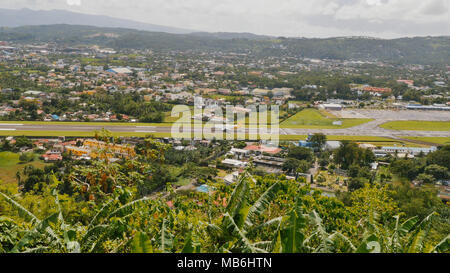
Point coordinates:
pixel 234 163
pixel 331 106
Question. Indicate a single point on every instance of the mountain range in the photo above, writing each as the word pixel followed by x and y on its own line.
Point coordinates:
pixel 73 29
pixel 28 17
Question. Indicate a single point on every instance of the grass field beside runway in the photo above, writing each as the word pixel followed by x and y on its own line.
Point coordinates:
pixel 306 119
pixel 314 119
pixel 437 140
pixel 160 135
pixel 417 125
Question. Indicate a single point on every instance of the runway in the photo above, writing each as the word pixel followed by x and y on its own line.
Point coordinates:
pixel 367 129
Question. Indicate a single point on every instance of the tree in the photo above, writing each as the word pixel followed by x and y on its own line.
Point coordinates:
pixel 323 162
pixel 440 157
pixel 353 170
pixel 426 178
pixel 240 145
pixel 416 201
pixel 355 184
pixel 300 153
pixel 291 165
pixel 26 157
pixel 318 141
pixel 6 146
pixel 438 172
pixel 368 157
pixel 374 200
pixel 23 142
pixel 303 166
pixel 349 154
pixel 406 168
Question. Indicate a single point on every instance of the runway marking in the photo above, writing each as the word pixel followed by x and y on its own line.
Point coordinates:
pixel 150 127
pixel 6 124
pixel 8 129
pixel 145 131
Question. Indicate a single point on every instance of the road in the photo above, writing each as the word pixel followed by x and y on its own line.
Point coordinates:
pixel 367 129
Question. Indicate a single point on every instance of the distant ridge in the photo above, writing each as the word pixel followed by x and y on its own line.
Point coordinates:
pixel 28 17
pixel 230 35
pixel 417 50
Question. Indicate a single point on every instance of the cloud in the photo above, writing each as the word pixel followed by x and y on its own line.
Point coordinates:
pixel 318 18
pixel 436 7
pixel 74 2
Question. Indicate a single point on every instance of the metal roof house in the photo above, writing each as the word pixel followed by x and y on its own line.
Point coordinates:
pixel 234 163
pixel 405 150
pixel 120 70
pixel 427 107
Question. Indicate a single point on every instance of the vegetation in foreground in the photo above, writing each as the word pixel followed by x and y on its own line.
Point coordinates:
pixel 109 208
pixel 258 216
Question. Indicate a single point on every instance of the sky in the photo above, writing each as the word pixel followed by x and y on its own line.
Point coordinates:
pixel 290 18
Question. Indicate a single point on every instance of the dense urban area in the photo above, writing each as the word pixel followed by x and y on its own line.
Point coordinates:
pixel 88 162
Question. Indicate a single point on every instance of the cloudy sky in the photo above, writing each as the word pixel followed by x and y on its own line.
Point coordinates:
pixel 298 18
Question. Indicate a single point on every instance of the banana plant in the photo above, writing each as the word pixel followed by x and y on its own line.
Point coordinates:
pixel 404 237
pixel 142 243
pixel 327 243
pixel 292 236
pixel 55 235
pixel 239 223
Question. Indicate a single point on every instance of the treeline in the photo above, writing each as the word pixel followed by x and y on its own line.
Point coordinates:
pixel 132 105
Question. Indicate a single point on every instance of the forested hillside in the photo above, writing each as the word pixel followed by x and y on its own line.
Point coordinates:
pixel 420 50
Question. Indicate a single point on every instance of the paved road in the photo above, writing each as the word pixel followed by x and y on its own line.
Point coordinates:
pixel 368 129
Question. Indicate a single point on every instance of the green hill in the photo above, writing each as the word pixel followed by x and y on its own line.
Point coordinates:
pixel 419 50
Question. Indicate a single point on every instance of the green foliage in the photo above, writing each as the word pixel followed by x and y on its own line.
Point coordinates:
pixel 350 154
pixel 291 165
pixel 23 142
pixel 438 172
pixel 292 236
pixel 242 227
pixel 26 157
pixel 256 215
pixel 440 157
pixel 300 153
pixel 409 169
pixel 318 140
pixel 141 244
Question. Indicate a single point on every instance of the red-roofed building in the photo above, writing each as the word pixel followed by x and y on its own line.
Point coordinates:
pixel 260 149
pixel 52 157
pixel 407 82
pixel 377 90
